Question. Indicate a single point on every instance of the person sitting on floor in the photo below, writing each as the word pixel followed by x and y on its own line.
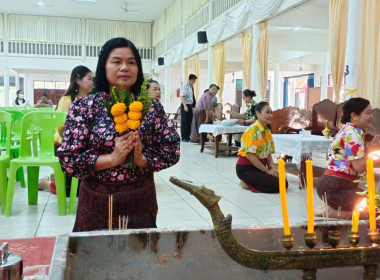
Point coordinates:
pixel 248 117
pixel 44 102
pixel 347 161
pixel 255 166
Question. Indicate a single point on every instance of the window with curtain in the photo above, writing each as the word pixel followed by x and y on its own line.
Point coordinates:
pixel 1 27
pixel 44 29
pixel 100 31
pixel 173 17
pixel 189 8
pixel 159 30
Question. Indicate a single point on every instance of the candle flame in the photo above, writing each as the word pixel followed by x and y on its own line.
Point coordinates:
pixel 362 205
pixel 375 155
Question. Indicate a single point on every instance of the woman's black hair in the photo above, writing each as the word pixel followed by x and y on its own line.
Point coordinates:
pixel 260 106
pixel 214 85
pixel 248 92
pixel 101 78
pixel 16 101
pixel 44 94
pixel 78 72
pixel 353 105
pixel 150 81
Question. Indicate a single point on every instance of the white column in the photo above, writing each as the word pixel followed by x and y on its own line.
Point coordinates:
pixel 353 44
pixel 210 69
pixel 184 79
pixel 324 75
pixel 254 81
pixel 167 90
pixel 6 86
pixel 83 25
pixel 17 80
pixel 276 87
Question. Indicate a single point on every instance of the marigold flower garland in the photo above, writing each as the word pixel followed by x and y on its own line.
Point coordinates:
pixel 128 110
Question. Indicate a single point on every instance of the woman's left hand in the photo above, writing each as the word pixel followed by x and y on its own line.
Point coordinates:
pixel 374 143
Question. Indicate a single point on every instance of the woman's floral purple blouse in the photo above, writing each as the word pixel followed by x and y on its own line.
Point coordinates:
pixel 89 132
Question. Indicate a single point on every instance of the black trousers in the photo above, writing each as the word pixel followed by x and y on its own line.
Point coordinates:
pixel 186 119
pixel 261 181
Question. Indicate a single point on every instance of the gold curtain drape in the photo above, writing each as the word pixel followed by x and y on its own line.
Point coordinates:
pixel 262 59
pixel 338 17
pixel 369 68
pixel 197 72
pixel 246 48
pixel 219 67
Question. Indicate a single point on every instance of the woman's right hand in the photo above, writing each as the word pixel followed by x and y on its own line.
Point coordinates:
pixel 123 146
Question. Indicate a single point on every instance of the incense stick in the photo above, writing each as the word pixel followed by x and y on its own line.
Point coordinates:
pixel 110 211
pixel 327 209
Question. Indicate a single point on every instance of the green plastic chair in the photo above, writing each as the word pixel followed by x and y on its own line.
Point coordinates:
pixel 17 115
pixel 73 194
pixel 46 157
pixel 5 124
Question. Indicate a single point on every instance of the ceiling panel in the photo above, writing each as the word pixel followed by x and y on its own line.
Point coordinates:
pixel 146 10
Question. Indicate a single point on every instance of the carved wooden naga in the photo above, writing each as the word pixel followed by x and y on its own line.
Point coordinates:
pixel 302 259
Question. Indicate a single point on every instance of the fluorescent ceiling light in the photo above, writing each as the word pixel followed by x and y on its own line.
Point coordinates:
pixel 85 0
pixel 297 28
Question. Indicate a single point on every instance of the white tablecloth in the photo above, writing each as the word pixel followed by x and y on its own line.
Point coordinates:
pixel 216 129
pixel 295 145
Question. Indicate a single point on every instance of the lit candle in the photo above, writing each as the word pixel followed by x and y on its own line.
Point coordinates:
pixel 282 186
pixel 371 194
pixel 355 221
pixel 310 200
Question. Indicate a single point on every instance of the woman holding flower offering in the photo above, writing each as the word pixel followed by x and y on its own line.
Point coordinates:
pixel 103 129
pixel 339 183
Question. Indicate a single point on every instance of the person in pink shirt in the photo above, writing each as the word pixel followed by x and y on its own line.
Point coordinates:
pixel 202 112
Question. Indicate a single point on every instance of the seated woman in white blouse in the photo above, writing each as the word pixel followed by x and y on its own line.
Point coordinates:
pixel 20 101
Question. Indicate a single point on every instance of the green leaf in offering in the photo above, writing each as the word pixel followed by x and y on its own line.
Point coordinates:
pixel 107 105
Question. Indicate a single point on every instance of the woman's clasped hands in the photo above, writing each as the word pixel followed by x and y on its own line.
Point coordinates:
pixel 124 145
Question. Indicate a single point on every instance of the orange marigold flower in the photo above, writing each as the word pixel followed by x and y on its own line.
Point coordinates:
pixel 135 116
pixel 121 118
pixel 133 124
pixel 136 106
pixel 118 109
pixel 121 127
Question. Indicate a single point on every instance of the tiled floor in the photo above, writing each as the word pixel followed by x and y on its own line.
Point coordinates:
pixel 177 208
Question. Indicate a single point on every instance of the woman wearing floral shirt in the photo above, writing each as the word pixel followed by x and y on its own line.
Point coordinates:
pixel 255 164
pixel 347 160
pixel 93 151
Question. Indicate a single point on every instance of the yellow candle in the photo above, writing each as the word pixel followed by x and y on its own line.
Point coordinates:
pixel 355 221
pixel 310 200
pixel 371 194
pixel 282 186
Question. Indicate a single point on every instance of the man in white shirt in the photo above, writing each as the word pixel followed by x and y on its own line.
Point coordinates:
pixel 187 104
